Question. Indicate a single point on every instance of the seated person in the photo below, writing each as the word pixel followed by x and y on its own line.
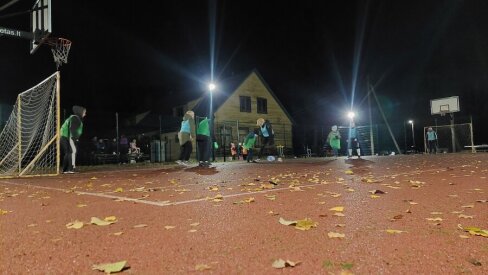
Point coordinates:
pixel 133 147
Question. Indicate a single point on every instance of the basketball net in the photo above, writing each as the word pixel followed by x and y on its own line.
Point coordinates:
pixel 60 48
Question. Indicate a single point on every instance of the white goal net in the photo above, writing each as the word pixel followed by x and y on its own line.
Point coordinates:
pixel 452 138
pixel 29 142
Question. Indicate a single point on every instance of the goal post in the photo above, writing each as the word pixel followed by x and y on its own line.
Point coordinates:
pixel 29 142
pixel 452 137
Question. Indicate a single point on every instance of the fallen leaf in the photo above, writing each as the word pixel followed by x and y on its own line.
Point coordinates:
pixel 408 211
pixel 398 217
pixel 119 190
pixel 337 208
pixel 97 221
pixel 336 235
pixel 285 222
pixel 349 172
pixel 195 224
pixel 110 219
pixel 412 203
pixel 321 202
pixel 202 267
pixel 118 233
pixel 475 262
pixel 339 214
pixel 4 212
pixel 270 197
pixel 376 192
pixel 468 206
pixel 192 230
pixel 167 227
pixel 93 178
pixel 437 219
pixel 74 225
pixel 340 225
pixel 393 231
pixel 465 216
pixel 80 205
pixel 110 267
pixel 374 196
pixel 464 236
pixel 305 224
pixel 482 201
pixel 280 263
pixel 140 225
pixel 347 265
pixel 350 190
pixel 32 225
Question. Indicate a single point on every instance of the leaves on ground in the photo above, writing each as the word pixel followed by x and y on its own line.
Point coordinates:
pixel 305 224
pixel 75 225
pixel 118 233
pixel 465 216
pixel 280 263
pixel 119 190
pixel 337 208
pixel 339 214
pixel 168 227
pixel 474 230
pixel 140 225
pixel 349 172
pixel 286 222
pixel 202 267
pixel 97 221
pixel 270 197
pixel 248 200
pixel 336 235
pixel 374 192
pixel 437 219
pixel 110 267
pixel 394 231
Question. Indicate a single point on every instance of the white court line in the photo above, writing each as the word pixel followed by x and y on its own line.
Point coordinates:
pixel 162 204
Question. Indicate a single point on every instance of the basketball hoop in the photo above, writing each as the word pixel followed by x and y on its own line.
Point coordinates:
pixel 60 48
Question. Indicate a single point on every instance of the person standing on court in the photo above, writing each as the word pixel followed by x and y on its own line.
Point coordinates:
pixel 185 136
pixel 432 140
pixel 71 131
pixel 353 141
pixel 266 133
pixel 334 140
pixel 203 143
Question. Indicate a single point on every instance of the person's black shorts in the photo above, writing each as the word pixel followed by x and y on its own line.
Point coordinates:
pixel 354 143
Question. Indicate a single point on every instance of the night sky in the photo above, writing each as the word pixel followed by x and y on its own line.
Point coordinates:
pixel 139 56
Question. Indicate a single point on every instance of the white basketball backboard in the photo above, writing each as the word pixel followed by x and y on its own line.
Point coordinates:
pixel 40 23
pixel 444 105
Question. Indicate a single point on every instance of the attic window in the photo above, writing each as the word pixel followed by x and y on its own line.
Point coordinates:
pixel 245 102
pixel 262 105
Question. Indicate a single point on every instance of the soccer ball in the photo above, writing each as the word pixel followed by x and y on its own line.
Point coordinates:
pixel 271 158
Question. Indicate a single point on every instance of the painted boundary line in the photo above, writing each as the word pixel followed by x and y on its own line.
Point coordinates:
pixel 162 204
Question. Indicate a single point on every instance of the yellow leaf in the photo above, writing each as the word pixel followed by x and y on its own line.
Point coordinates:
pixel 412 203
pixel 336 235
pixel 305 224
pixel 349 172
pixel 270 197
pixel 350 190
pixel 202 267
pixel 3 212
pixel 280 263
pixel 32 225
pixel 93 178
pixel 468 206
pixel 437 219
pixel 374 196
pixel 339 214
pixel 340 225
pixel 110 219
pixel 285 222
pixel 393 231
pixel 465 216
pixel 110 267
pixel 337 208
pixel 192 230
pixel 195 224
pixel 464 237
pixel 436 213
pixel 140 225
pixel 74 225
pixel 168 227
pixel 80 205
pixel 118 233
pixel 119 190
pixel 97 221
pixel 321 202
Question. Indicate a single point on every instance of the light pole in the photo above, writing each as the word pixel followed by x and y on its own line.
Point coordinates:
pixel 413 134
pixel 211 89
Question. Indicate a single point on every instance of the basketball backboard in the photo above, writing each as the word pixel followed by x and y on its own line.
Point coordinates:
pixel 40 23
pixel 445 105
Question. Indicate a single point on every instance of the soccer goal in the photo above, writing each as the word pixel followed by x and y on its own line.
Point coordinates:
pixel 29 142
pixel 452 138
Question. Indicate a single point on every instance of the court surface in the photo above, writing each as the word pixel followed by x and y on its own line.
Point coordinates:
pixel 401 214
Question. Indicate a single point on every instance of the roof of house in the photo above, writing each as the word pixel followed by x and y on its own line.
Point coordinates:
pixel 226 88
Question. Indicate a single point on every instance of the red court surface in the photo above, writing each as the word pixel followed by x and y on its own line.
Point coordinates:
pixel 169 222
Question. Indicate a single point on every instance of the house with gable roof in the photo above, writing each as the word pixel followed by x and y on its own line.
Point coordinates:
pixel 237 104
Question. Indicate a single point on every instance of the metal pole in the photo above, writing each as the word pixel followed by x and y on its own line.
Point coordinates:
pixel 160 141
pixel 238 140
pixel 453 134
pixel 58 123
pixel 224 141
pixel 473 150
pixel 117 131
pixel 413 136
pixel 212 127
pixel 371 137
pixel 405 135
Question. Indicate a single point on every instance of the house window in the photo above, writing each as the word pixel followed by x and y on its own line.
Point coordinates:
pixel 245 103
pixel 262 105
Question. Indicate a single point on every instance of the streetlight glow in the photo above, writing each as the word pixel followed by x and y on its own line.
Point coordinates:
pixel 211 87
pixel 351 115
pixel 410 121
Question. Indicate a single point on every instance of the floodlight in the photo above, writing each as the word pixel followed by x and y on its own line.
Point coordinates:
pixel 410 121
pixel 211 87
pixel 351 115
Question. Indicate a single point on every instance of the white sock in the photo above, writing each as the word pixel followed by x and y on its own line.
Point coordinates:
pixel 350 152
pixel 359 152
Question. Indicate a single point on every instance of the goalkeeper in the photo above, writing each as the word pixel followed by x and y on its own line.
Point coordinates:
pixel 71 131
